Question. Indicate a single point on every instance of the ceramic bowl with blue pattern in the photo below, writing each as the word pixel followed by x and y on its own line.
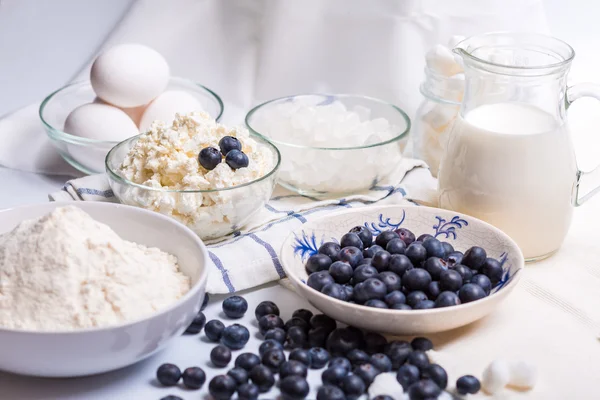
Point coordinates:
pixel 460 230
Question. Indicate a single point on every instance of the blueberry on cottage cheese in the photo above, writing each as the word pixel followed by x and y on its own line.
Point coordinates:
pixel 398 352
pixel 248 391
pixel 247 361
pixel 317 262
pixel 220 356
pixel 213 330
pixel 237 159
pixel 357 357
pixel 342 340
pixel 367 373
pixel 419 359
pixel 292 367
pixel 235 306
pixel 340 361
pixel 273 359
pixel 364 234
pixel 330 249
pixel 194 377
pixel 351 240
pixel 471 292
pixel 474 257
pixel 294 387
pixel 240 375
pixel 276 334
pixel 267 322
pixel 407 236
pixel 209 158
pixel 317 280
pixel 424 389
pixel 268 345
pixel 168 374
pixel 437 374
pixel 265 308
pixel 467 384
pixel 297 337
pixel 407 375
pixel 235 336
pixel 222 387
pixel 300 355
pixel 341 272
pixel 197 324
pixel 447 299
pixel 333 375
pixel 319 357
pixel 262 377
pixel 228 143
pixel 381 362
pixel 330 392
pixel 353 386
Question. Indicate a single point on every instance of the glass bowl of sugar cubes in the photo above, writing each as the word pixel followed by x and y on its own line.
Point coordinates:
pixel 332 144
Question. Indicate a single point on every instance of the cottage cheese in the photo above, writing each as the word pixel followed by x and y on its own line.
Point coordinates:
pixel 166 159
pixel 66 271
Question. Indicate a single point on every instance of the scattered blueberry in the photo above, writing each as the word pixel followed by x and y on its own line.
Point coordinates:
pixel 353 386
pixel 371 251
pixel 222 387
pixel 247 361
pixel 447 299
pixel 384 238
pixel 341 272
pixel 267 322
pixel 351 255
pixel 357 357
pixel 300 355
pixel 423 390
pixel 467 384
pixel 334 290
pixel 421 344
pixel 318 280
pixel 235 336
pixel 340 361
pixel 435 266
pixel 407 236
pixel 330 249
pixel 375 303
pixel 381 362
pixel 382 397
pixel 273 359
pixel 294 387
pixel 267 345
pixel 317 337
pixel 325 321
pixel 297 337
pixel 228 143
pixel 317 262
pixel 416 279
pixel 168 374
pixel 471 292
pixel 381 260
pixel 248 391
pixel 454 258
pixel 292 367
pixel 220 356
pixel 374 342
pixel 396 246
pixel 304 314
pixel 333 375
pixel 329 392
pixel 362 273
pixel 276 334
pixel 474 257
pixel 450 280
pixel 483 281
pixel 407 375
pixel 493 270
pixel 197 324
pixel 399 264
pixel 342 340
pixel 262 377
pixel 319 357
pixel 398 352
pixel 209 158
pixel 193 377
pixel 416 253
pixel 424 305
pixel 415 298
pixel 419 359
pixel 364 234
pixel 240 375
pixel 171 397
pixel 295 321
pixel 237 159
pixel 235 306
pixel 367 372
pixel 437 374
pixel 351 239
pixel 213 330
pixel 266 308
pixel 204 301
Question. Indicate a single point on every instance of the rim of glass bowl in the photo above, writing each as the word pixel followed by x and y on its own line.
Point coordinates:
pixel 343 95
pixel 67 137
pixel 115 176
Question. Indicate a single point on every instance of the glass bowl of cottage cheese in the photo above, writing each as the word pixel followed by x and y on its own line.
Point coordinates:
pixel 160 170
pixel 332 144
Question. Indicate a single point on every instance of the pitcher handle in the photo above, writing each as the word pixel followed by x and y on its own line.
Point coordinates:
pixel 588 183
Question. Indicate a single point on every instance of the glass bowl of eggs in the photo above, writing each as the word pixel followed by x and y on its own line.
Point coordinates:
pixel 84 128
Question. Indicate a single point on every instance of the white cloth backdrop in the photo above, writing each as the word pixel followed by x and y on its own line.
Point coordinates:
pixel 248 51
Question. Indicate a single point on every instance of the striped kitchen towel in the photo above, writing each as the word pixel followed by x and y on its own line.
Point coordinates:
pixel 249 257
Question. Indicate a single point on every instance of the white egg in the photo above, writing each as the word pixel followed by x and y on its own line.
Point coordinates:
pixel 100 122
pixel 129 75
pixel 135 113
pixel 166 105
pixel 522 375
pixel 496 376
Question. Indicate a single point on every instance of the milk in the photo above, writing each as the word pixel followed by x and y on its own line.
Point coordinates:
pixel 512 165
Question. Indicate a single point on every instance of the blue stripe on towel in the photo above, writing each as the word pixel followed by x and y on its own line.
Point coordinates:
pixel 223 271
pixel 271 252
pixel 95 192
pixel 290 213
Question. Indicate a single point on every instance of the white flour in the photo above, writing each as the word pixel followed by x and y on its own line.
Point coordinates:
pixel 66 271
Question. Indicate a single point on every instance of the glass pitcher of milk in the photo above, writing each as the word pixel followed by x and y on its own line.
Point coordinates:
pixel 510 160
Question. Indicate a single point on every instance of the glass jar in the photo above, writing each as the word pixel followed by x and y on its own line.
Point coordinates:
pixel 435 116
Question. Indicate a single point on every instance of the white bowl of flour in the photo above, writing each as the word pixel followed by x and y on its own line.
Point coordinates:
pixel 81 295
